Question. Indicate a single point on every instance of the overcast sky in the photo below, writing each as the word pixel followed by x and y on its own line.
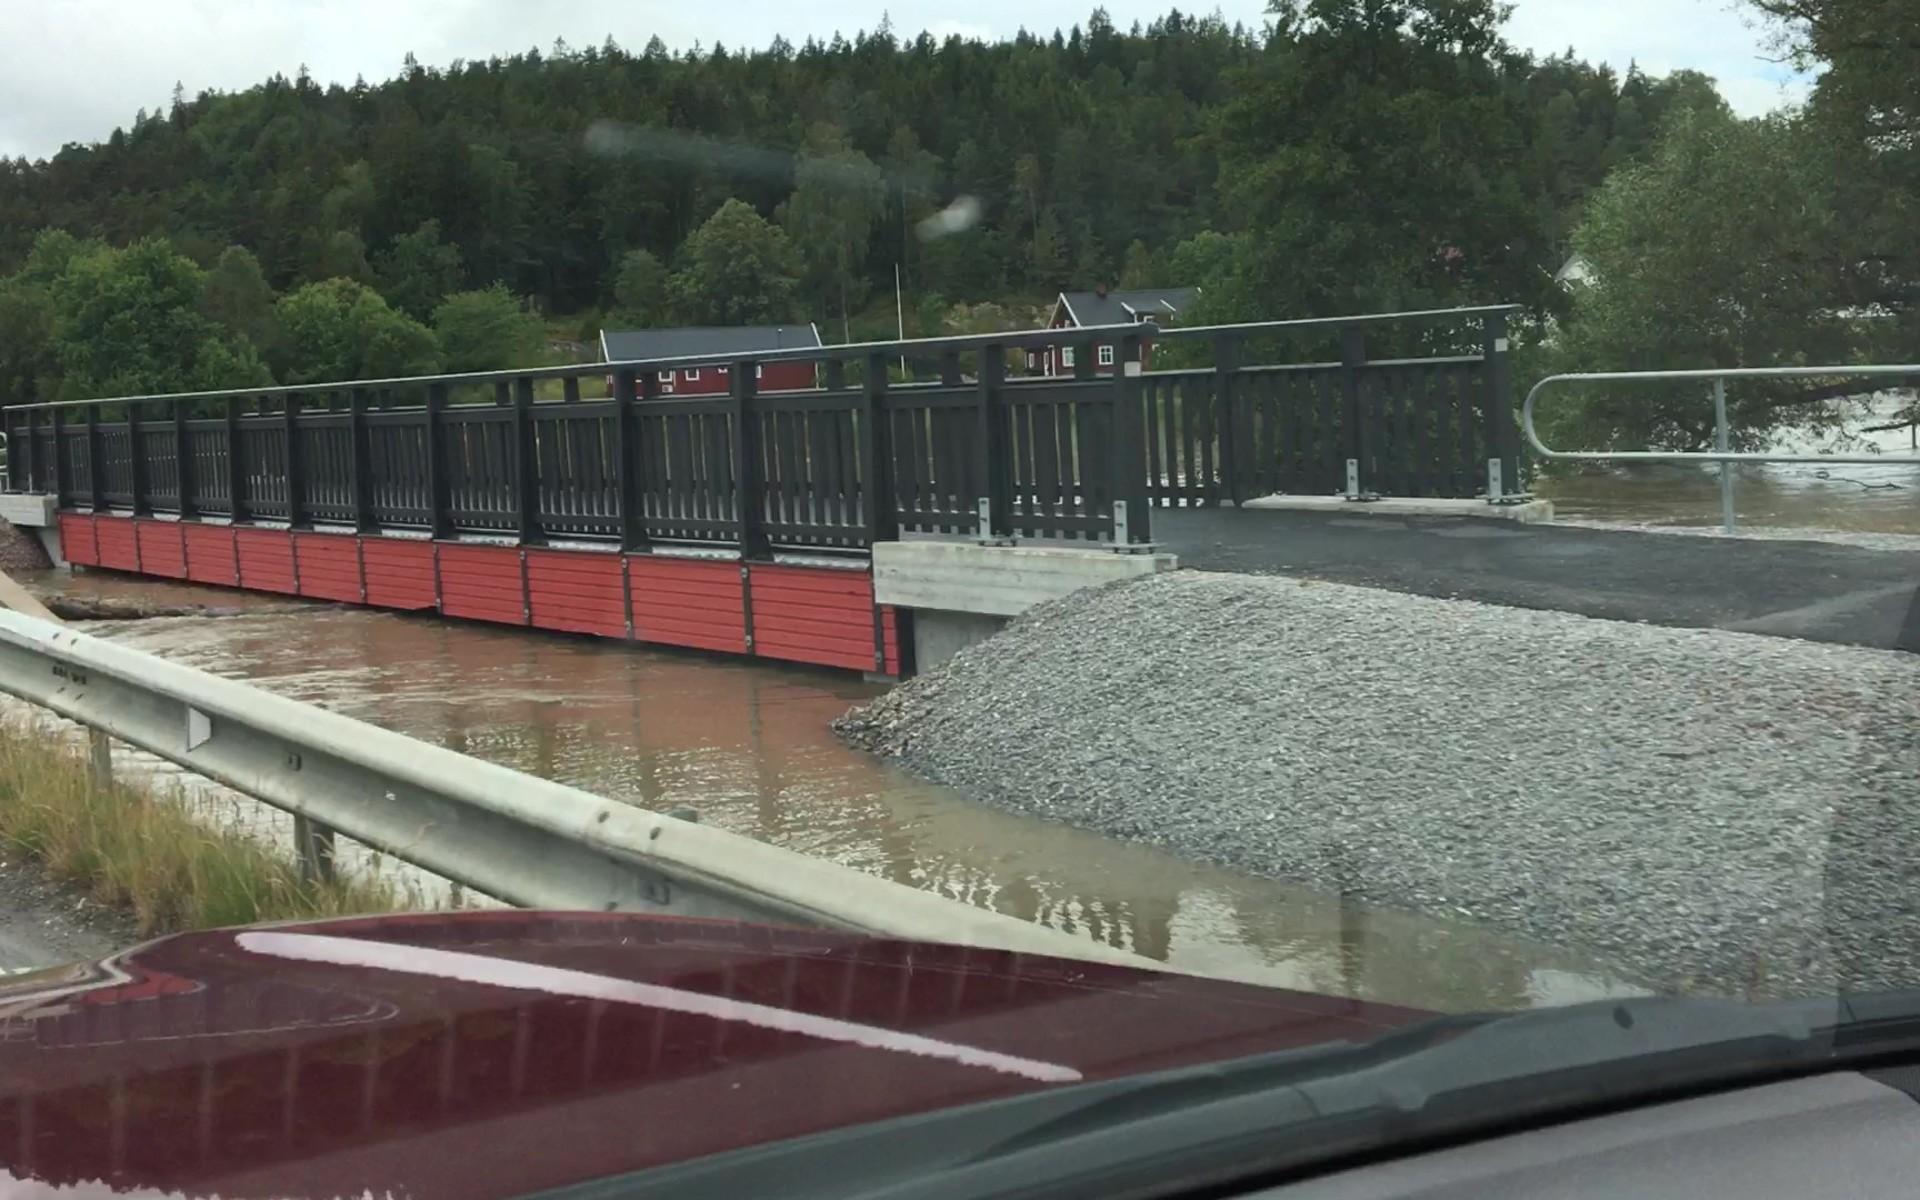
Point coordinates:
pixel 71 70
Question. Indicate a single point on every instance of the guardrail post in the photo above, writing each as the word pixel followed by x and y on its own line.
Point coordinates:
pixel 183 472
pixel 96 481
pixel 1356 436
pixel 296 474
pixel 1503 465
pixel 1722 440
pixel 236 468
pixel 747 463
pixel 1131 514
pixel 526 464
pixel 994 457
pixel 626 452
pixel 439 499
pixel 360 461
pixel 99 758
pixel 1226 362
pixel 877 509
pixel 136 463
pixel 314 848
pixel 57 469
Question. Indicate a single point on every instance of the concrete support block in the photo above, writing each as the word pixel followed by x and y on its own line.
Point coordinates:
pixel 938 636
pixel 27 508
pixel 1001 581
pixel 49 536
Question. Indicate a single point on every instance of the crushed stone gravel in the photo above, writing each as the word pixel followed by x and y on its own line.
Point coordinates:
pixel 1706 811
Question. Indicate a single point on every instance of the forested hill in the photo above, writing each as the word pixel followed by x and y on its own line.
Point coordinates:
pixel 1355 154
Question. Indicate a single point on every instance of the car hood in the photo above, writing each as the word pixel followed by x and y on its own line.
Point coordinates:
pixel 496 1053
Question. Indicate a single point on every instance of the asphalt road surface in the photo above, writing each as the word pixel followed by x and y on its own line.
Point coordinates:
pixel 1815 590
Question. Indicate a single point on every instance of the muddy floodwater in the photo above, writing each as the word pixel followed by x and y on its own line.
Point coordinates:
pixel 749 748
pixel 1859 498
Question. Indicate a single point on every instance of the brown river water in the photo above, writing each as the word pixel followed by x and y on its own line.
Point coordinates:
pixel 1867 498
pixel 749 747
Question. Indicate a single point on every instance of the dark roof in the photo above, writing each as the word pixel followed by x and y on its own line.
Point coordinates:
pixel 1122 308
pixel 624 345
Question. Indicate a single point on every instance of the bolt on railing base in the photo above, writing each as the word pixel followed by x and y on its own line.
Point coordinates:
pixel 1497 492
pixel 983 525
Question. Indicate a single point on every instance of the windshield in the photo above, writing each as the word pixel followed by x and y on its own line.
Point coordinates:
pixel 1318 516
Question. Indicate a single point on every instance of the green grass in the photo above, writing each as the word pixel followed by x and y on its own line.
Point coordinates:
pixel 130 848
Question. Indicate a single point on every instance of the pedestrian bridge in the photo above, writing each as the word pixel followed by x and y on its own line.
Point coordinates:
pixel 746 523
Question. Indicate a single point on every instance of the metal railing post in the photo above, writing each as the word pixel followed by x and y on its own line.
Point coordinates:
pixel 1231 417
pixel 183 464
pixel 1132 520
pixel 877 500
pixel 236 467
pixel 439 498
pixel 1722 443
pixel 1503 466
pixel 20 464
pixel 136 463
pixel 57 468
pixel 993 457
pixel 626 453
pixel 526 464
pixel 96 480
pixel 1355 439
pixel 360 461
pixel 296 472
pixel 747 462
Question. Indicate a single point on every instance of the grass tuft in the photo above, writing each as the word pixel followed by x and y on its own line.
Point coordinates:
pixel 127 847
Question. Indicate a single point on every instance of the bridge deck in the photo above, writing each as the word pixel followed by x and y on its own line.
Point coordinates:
pixel 1809 589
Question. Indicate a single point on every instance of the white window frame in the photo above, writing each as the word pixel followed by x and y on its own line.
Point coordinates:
pixel 1066 356
pixel 759 370
pixel 666 377
pixel 690 374
pixel 1106 356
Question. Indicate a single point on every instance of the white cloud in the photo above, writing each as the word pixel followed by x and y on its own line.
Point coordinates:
pixel 71 70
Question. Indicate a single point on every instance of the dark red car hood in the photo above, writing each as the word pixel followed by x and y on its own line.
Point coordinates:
pixel 496 1053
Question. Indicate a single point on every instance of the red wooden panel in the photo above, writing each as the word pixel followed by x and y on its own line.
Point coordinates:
pixel 398 572
pixel 266 559
pixel 162 550
pixel 890 634
pixel 579 591
pixel 814 615
pixel 77 544
pixel 482 583
pixel 329 566
pixel 688 602
pixel 210 554
pixel 118 546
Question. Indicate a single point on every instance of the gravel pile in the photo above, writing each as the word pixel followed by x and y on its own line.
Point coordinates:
pixel 1703 810
pixel 20 550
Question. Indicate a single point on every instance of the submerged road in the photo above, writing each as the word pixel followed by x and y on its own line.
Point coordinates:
pixel 1816 590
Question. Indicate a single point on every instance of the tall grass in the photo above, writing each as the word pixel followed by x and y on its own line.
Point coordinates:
pixel 128 847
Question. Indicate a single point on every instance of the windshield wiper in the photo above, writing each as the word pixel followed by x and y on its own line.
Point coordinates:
pixel 1282 1112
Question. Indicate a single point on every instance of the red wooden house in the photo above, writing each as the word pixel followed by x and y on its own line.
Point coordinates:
pixel 1080 310
pixel 629 345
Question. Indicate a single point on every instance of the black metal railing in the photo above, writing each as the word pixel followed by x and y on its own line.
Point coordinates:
pixel 857 460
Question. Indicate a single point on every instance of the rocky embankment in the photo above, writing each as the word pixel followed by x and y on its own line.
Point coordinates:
pixel 1706 810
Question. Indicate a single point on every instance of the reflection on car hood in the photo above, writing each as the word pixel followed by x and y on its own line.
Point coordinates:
pixel 495 1053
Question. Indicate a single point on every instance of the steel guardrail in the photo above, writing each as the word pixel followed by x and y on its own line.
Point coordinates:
pixel 525 840
pixel 1722 455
